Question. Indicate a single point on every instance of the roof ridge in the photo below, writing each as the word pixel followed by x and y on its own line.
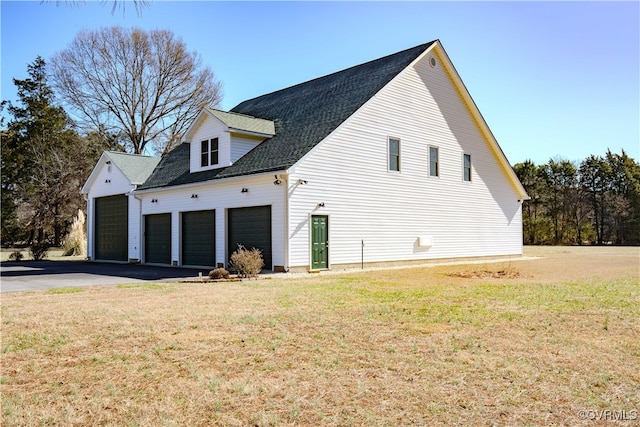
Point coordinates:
pixel 234 113
pixel 381 59
pixel 132 154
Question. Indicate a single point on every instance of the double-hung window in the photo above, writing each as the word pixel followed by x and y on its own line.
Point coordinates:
pixel 394 154
pixel 434 161
pixel 466 167
pixel 209 152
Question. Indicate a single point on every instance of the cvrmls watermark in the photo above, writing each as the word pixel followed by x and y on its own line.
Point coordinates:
pixel 608 415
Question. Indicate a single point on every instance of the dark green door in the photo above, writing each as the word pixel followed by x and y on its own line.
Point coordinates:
pixel 111 228
pixel 157 238
pixel 199 238
pixel 250 227
pixel 319 242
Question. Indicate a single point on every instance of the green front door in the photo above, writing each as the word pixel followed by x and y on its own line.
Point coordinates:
pixel 319 242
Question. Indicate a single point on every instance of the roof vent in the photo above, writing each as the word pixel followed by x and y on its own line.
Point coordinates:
pixel 432 61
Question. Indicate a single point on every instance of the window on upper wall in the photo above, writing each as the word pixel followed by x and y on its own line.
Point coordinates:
pixel 394 154
pixel 466 167
pixel 209 152
pixel 434 161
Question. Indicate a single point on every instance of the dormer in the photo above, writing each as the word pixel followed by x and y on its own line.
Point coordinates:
pixel 219 138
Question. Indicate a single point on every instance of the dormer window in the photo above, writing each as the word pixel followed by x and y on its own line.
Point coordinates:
pixel 209 152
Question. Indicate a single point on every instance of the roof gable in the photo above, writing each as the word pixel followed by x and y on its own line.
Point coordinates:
pixel 480 122
pixel 135 167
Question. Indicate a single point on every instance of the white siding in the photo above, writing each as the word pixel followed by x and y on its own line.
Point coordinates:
pixel 210 128
pixel 241 146
pixel 390 210
pixel 221 195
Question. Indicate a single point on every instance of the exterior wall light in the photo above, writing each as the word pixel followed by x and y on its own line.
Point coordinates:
pixel 302 182
pixel 194 196
pixel 277 181
pixel 244 190
pixel 154 200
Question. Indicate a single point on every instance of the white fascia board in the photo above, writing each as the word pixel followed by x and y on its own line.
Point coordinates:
pixel 478 118
pixel 248 132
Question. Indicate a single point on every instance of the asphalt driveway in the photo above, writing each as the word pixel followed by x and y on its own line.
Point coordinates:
pixel 42 275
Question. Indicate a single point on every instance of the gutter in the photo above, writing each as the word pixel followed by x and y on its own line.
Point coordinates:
pixel 230 179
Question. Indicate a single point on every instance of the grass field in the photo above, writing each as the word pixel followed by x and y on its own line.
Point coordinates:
pixel 553 340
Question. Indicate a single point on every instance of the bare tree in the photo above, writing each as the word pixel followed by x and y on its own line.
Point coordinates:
pixel 145 85
pixel 117 4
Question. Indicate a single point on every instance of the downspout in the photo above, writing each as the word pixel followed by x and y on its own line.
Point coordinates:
pixel 286 222
pixel 85 196
pixel 131 192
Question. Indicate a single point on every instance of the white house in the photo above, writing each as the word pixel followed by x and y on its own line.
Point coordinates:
pixel 388 161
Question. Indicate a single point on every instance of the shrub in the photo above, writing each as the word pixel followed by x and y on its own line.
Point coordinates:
pixel 219 273
pixel 76 243
pixel 16 256
pixel 247 263
pixel 39 251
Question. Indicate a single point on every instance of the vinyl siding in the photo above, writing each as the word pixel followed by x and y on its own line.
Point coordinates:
pixel 221 195
pixel 390 210
pixel 241 146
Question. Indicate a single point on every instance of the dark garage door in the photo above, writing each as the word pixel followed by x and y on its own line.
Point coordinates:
pixel 251 227
pixel 157 238
pixel 199 238
pixel 111 228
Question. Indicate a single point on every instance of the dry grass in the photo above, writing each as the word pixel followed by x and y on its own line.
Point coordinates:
pixel 53 254
pixel 414 346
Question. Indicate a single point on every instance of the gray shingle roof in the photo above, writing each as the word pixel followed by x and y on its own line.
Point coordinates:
pixel 243 122
pixel 303 114
pixel 135 167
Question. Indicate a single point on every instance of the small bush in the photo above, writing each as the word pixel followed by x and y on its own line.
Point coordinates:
pixel 76 242
pixel 16 256
pixel 39 251
pixel 219 273
pixel 247 263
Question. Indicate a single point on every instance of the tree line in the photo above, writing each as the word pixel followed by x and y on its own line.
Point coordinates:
pixel 595 201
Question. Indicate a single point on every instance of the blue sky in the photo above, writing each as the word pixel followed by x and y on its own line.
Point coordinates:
pixel 552 79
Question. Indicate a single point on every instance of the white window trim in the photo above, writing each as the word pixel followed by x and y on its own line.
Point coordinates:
pixel 470 167
pixel 209 165
pixel 438 169
pixel 389 138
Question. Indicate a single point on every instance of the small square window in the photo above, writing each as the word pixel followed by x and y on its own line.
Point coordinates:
pixel 394 154
pixel 434 161
pixel 467 167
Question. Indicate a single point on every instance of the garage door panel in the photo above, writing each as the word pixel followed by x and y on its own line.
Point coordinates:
pixel 157 238
pixel 111 228
pixel 199 238
pixel 251 227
